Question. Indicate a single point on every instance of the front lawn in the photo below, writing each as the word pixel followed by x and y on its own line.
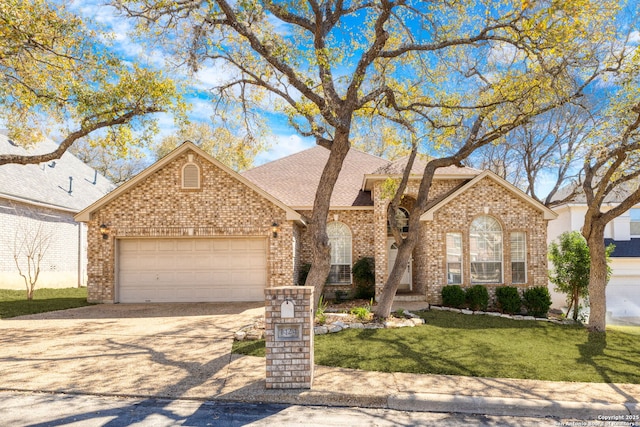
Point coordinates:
pixel 484 346
pixel 14 303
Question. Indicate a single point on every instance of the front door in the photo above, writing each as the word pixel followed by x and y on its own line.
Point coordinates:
pixel 405 282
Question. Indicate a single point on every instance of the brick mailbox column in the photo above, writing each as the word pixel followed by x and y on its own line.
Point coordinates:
pixel 289 337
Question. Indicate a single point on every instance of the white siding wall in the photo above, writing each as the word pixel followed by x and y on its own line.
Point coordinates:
pixel 64 263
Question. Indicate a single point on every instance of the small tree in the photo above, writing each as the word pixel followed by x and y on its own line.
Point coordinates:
pixel 30 245
pixel 571 261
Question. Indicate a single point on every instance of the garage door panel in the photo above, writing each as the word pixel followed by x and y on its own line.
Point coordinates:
pixel 191 270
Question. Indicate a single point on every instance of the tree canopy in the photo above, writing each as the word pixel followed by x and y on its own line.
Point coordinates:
pixel 58 80
pixel 453 76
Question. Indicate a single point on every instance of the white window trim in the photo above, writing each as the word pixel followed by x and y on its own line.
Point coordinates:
pixel 461 262
pixel 524 243
pixel 349 254
pixel 500 261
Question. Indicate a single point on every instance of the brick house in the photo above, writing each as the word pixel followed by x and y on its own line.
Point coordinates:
pixel 40 201
pixel 190 229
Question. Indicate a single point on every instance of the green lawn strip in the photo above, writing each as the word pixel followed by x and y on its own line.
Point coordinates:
pixel 14 303
pixel 484 346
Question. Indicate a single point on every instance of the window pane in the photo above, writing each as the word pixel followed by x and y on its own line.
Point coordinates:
pixel 485 250
pixel 486 272
pixel 454 273
pixel 518 258
pixel 518 274
pixel 635 222
pixel 340 274
pixel 340 241
pixel 454 258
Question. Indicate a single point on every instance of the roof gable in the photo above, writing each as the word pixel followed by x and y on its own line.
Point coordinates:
pixel 66 183
pixel 548 213
pixel 85 215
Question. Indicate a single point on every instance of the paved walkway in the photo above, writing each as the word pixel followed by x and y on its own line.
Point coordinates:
pixel 183 351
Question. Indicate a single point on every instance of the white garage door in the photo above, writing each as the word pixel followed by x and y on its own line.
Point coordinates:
pixel 191 270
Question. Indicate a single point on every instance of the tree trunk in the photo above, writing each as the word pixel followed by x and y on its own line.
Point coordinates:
pixel 320 250
pixel 597 279
pixel 383 309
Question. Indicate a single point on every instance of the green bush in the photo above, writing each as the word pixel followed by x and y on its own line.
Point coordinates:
pixel 340 296
pixel 477 298
pixel 362 313
pixel 508 299
pixel 537 301
pixel 364 278
pixel 453 296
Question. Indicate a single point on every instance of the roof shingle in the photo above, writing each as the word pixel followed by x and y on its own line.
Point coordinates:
pixel 294 179
pixel 49 183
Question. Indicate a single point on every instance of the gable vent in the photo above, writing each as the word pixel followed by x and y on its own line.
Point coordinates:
pixel 191 176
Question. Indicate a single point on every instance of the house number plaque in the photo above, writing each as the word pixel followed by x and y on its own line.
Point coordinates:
pixel 291 332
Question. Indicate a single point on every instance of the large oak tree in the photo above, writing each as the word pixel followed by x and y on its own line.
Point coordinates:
pixel 462 74
pixel 59 80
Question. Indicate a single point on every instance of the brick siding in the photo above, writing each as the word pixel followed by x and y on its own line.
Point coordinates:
pixel 159 207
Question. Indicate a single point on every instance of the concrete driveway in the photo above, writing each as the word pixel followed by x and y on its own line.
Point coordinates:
pixel 165 350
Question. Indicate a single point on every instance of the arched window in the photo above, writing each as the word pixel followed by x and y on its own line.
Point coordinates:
pixel 485 250
pixel 340 241
pixel 191 176
pixel 402 220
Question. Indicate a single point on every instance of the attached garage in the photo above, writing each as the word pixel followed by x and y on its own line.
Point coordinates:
pixel 191 270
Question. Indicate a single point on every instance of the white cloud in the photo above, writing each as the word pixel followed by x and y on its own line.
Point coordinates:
pixel 283 146
pixel 634 38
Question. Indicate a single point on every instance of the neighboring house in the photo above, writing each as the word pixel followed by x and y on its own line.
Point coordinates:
pixel 190 229
pixel 623 290
pixel 38 203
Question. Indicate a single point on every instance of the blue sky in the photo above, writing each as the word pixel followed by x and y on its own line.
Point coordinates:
pixel 283 141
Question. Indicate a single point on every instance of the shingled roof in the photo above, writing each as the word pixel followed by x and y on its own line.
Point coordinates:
pixel 49 184
pixel 397 168
pixel 294 179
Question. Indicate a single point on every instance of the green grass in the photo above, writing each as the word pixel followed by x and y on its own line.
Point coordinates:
pixel 14 303
pixel 484 346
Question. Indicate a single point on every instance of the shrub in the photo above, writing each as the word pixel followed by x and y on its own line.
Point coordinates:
pixel 477 297
pixel 453 296
pixel 340 296
pixel 508 299
pixel 364 278
pixel 303 272
pixel 321 318
pixel 362 313
pixel 537 301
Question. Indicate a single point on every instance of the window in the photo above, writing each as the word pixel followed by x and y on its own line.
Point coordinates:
pixel 340 241
pixel 190 176
pixel 485 250
pixel 454 258
pixel 402 220
pixel 518 257
pixel 635 222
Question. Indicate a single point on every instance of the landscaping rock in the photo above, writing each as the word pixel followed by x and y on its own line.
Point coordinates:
pixel 494 314
pixel 437 308
pixel 341 324
pixel 356 326
pixel 417 321
pixel 254 335
pixel 465 311
pixel 333 328
pixel 320 330
pixel 506 316
pixel 529 318
pixel 239 336
pixel 518 317
pixel 398 323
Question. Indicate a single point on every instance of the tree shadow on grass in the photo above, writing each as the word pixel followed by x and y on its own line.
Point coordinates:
pixel 595 348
